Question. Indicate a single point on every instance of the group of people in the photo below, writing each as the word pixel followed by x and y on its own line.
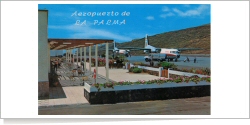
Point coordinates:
pixel 187 59
pixel 55 64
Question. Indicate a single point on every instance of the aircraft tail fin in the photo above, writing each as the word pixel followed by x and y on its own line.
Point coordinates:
pixel 146 40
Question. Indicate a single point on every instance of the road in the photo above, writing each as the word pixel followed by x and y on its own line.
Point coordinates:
pixel 188 106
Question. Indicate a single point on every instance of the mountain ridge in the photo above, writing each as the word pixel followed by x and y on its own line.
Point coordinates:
pixel 193 37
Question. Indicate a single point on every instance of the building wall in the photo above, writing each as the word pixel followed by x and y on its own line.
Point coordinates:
pixel 43 52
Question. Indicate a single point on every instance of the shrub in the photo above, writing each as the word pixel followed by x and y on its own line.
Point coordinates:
pixel 131 69
pixel 167 65
pixel 137 70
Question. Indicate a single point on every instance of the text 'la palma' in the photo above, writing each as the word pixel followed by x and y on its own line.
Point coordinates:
pixel 102 22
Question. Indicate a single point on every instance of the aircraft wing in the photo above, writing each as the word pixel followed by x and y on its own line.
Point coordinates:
pixel 185 49
pixel 131 48
pixel 137 48
pixel 157 50
pixel 105 49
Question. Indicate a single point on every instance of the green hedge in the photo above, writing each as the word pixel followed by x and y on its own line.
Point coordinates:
pixel 167 65
pixel 137 70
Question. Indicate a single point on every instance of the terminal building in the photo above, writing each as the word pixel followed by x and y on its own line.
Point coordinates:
pixel 46 44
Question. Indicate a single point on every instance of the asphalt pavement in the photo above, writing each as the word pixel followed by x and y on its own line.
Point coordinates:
pixel 187 106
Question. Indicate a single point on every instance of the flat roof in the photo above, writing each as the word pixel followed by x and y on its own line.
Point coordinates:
pixel 63 44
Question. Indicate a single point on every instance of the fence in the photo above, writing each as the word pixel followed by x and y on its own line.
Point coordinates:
pixel 183 73
pixel 129 65
pixel 165 72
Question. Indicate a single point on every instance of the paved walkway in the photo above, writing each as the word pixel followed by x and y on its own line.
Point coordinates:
pixel 122 74
pixel 71 92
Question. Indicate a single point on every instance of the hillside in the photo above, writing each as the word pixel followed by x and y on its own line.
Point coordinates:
pixel 195 37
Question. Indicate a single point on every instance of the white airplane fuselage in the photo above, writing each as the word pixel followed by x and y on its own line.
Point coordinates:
pixel 121 51
pixel 171 53
pixel 168 53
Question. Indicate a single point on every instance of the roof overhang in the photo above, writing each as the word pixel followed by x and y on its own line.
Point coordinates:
pixel 64 44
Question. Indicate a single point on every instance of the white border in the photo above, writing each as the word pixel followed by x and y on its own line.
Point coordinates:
pixel 230 91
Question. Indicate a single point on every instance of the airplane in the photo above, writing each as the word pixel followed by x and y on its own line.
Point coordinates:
pixel 169 54
pixel 120 51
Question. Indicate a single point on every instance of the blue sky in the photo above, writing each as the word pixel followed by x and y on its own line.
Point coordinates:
pixel 137 21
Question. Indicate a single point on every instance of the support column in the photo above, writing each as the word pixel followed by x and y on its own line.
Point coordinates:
pixel 66 55
pixel 81 56
pixel 107 62
pixel 84 51
pixel 56 60
pixel 96 61
pixel 90 58
pixel 70 55
pixel 77 57
pixel 73 60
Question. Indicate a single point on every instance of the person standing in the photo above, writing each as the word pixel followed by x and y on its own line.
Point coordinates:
pixel 194 59
pixel 82 63
pixel 59 63
pixel 53 65
pixel 56 64
pixel 151 61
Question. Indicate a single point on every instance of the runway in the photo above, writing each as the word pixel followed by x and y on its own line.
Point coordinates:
pixel 201 62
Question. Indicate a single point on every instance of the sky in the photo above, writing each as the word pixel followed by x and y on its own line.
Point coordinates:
pixel 122 22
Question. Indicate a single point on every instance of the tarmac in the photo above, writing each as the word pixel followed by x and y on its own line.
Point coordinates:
pixel 71 92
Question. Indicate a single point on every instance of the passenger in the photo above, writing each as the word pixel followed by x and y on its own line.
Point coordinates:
pixel 59 63
pixel 187 59
pixel 55 66
pixel 152 61
pixel 82 64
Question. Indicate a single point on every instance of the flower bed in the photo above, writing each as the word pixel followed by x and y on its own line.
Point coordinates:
pixel 158 89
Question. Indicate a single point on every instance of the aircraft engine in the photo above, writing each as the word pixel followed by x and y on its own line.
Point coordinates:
pixel 146 51
pixel 116 51
pixel 157 50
